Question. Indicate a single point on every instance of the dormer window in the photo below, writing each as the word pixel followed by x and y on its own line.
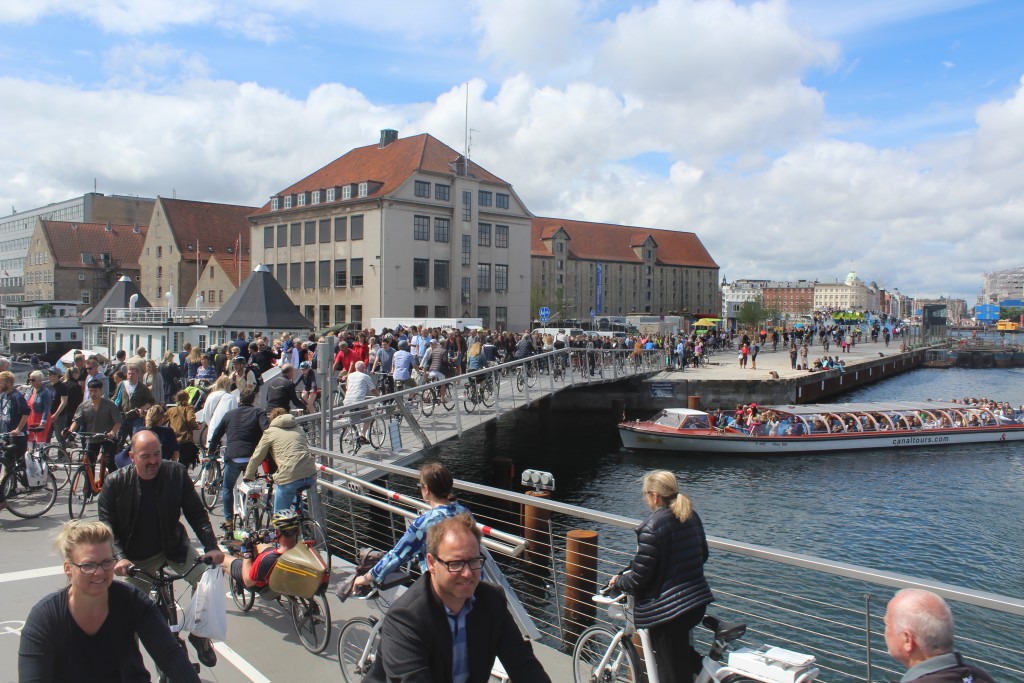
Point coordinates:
pixel 190 247
pixel 364 188
pixel 231 250
pixel 275 203
pixel 288 202
pixel 330 194
pixel 87 258
pixel 302 199
pixel 316 197
pixel 346 192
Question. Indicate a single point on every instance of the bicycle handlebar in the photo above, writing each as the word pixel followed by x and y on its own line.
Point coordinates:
pixel 164 578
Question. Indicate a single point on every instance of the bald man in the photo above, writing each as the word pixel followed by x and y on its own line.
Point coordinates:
pixel 919 635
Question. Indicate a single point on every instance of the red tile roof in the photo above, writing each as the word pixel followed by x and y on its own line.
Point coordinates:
pixel 234 269
pixel 390 166
pixel 68 240
pixel 214 225
pixel 609 242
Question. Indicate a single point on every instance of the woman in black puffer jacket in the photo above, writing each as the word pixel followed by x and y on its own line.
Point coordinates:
pixel 667 576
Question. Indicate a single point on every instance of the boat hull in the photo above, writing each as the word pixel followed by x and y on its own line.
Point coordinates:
pixel 637 437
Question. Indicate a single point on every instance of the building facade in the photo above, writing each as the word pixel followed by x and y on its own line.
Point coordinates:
pixel 581 269
pixel 183 236
pixel 789 298
pixel 406 227
pixel 80 261
pixel 850 295
pixel 218 280
pixel 16 230
pixel 1001 285
pixel 737 293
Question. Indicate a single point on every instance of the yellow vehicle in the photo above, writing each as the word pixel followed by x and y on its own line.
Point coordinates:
pixel 1007 326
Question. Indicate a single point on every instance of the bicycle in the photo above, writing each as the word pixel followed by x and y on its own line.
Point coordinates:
pixel 351 434
pixel 211 479
pixel 526 375
pixel 56 458
pixel 253 504
pixel 603 656
pixel 431 396
pixel 87 481
pixel 28 489
pixel 162 593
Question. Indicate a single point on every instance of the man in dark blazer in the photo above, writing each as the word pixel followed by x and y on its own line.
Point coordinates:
pixel 449 627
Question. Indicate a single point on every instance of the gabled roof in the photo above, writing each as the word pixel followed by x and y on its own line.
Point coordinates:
pixel 213 225
pixel 119 296
pixel 389 166
pixel 68 240
pixel 615 243
pixel 259 304
pixel 233 268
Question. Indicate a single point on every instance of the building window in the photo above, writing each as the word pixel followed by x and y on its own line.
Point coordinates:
pixel 268 237
pixel 484 313
pixel 356 278
pixel 483 277
pixel 559 265
pixel 559 247
pixel 325 316
pixel 282 236
pixel 301 199
pixel 466 283
pixel 282 275
pixel 316 197
pixel 159 252
pixel 325 230
pixel 422 189
pixel 296 234
pixel 330 198
pixel 364 188
pixel 220 296
pixel 356 232
pixel 420 272
pixel 421 227
pixel 309 313
pixel 346 192
pixel 419 311
pixel 86 296
pixel 288 202
pixel 324 275
pixel 339 315
pixel 160 272
pixel 309 275
pixel 501 236
pixel 340 273
pixel 500 278
pixel 357 315
pixel 274 203
pixel 558 279
pixel 441 192
pixel 295 275
pixel 440 311
pixel 310 230
pixel 501 200
pixel 501 316
pixel 484 234
pixel 440 274
pixel 467 242
pixel 485 198
pixel 467 205
pixel 340 228
pixel 441 229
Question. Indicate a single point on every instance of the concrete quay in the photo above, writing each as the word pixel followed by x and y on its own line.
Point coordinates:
pixel 723 383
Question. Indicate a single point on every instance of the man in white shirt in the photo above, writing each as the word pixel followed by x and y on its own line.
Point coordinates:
pixel 358 386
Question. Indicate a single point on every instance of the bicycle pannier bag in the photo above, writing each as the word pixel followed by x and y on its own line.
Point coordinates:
pixel 299 572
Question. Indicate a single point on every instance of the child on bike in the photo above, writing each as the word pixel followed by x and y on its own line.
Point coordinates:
pixel 258 560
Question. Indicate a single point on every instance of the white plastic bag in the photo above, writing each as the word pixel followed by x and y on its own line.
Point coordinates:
pixel 206 615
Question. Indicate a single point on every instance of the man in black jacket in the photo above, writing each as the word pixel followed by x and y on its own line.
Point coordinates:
pixel 280 391
pixel 241 429
pixel 143 505
pixel 450 626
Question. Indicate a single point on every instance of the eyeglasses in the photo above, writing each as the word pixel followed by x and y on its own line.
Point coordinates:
pixel 456 566
pixel 91 567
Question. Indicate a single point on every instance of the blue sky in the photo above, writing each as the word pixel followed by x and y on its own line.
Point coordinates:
pixel 798 139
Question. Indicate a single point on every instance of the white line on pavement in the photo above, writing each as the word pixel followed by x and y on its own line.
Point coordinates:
pixel 246 669
pixel 31 574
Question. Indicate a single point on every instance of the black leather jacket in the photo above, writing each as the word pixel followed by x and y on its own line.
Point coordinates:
pixel 281 394
pixel 667 574
pixel 119 501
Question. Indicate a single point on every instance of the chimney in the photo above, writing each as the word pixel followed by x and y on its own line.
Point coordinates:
pixel 135 229
pixel 387 136
pixel 107 227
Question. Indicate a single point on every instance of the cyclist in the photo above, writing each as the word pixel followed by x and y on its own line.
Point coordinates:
pixel 98 415
pixel 381 364
pixel 91 628
pixel 436 489
pixel 434 362
pixel 401 367
pixel 14 412
pixel 285 444
pixel 280 391
pixel 306 384
pixel 258 560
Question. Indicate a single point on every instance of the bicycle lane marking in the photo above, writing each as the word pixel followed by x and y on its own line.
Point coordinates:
pixel 244 667
pixel 32 574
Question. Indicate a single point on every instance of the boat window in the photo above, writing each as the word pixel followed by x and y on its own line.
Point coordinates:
pixel 696 422
pixel 668 419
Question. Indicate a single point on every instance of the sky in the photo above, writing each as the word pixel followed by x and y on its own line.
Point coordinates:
pixel 799 139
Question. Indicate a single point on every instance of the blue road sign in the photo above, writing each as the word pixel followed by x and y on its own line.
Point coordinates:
pixel 545 313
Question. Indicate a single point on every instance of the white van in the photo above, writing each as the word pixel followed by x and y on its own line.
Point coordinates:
pixel 555 331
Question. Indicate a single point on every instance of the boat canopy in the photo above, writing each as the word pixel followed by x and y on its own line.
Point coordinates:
pixel 883 416
pixel 682 418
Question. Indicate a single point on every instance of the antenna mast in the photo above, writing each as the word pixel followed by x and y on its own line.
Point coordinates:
pixel 467 123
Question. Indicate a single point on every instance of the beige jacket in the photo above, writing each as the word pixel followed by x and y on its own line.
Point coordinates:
pixel 285 442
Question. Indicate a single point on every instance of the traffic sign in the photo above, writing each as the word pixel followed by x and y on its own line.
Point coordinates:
pixel 545 313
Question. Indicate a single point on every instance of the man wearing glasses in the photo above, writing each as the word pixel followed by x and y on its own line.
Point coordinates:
pixel 449 626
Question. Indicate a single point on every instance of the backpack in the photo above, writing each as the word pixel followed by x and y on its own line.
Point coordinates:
pixel 256 373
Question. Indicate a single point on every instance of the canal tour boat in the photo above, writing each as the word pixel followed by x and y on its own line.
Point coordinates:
pixel 823 427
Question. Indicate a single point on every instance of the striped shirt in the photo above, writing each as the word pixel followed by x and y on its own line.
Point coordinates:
pixel 460 645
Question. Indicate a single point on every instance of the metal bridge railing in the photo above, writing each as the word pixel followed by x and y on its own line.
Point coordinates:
pixel 830 609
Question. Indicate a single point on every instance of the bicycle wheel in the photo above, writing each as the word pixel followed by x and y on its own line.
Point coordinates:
pixel 210 481
pixel 312 531
pixel 312 620
pixel 243 600
pixel 520 382
pixel 350 440
pixel 357 648
pixel 470 399
pixel 378 430
pixel 623 664
pixel 79 493
pixel 427 402
pixel 488 395
pixel 449 396
pixel 59 463
pixel 256 518
pixel 531 375
pixel 29 502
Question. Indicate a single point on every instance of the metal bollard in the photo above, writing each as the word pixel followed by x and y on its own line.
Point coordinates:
pixel 535 530
pixel 580 581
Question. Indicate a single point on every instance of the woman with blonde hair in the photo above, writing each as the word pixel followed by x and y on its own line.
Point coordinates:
pixel 181 418
pixel 152 378
pixel 91 628
pixel 39 403
pixel 666 576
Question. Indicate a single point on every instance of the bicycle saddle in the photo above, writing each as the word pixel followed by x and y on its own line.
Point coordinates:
pixel 725 631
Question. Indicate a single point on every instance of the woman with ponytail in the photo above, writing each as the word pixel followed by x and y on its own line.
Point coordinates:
pixel 666 576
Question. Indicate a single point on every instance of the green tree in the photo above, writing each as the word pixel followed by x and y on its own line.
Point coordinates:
pixel 1010 313
pixel 751 314
pixel 536 299
pixel 46 311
